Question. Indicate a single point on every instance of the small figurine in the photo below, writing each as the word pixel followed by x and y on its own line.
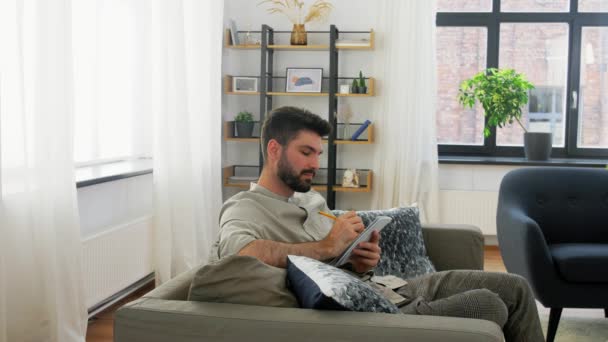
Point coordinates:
pixel 350 178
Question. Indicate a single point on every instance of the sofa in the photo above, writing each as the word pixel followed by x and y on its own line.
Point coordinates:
pixel 164 314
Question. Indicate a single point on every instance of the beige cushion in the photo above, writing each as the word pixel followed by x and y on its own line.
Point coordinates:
pixel 241 280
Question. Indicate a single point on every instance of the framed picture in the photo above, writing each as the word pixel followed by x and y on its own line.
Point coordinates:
pixel 244 84
pixel 301 80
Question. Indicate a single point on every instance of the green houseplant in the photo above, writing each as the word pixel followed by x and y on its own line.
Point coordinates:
pixel 502 94
pixel 244 124
pixel 354 88
pixel 362 86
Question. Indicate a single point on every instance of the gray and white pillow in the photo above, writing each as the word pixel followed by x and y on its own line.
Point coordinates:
pixel 403 251
pixel 321 286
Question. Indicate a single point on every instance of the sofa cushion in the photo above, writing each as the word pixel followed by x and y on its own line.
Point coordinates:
pixel 581 262
pixel 403 251
pixel 241 280
pixel 321 286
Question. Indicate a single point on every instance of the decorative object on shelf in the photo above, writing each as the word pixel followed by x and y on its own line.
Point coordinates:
pixel 293 10
pixel 244 84
pixel 354 88
pixel 350 179
pixel 502 94
pixel 345 113
pixel 361 129
pixel 303 80
pixel 244 124
pixel 362 87
pixel 234 35
pixel 344 89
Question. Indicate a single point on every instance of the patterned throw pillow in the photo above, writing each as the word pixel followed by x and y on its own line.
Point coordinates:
pixel 403 251
pixel 321 286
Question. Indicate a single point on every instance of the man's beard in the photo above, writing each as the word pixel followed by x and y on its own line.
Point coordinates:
pixel 291 178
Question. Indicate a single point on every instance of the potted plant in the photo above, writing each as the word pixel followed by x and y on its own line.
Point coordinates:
pixel 502 94
pixel 362 86
pixel 354 88
pixel 244 124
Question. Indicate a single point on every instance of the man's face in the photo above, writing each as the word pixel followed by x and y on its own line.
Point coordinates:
pixel 299 161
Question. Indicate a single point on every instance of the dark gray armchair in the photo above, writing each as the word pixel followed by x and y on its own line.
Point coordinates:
pixel 553 230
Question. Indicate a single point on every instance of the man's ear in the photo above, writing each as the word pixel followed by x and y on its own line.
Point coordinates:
pixel 273 150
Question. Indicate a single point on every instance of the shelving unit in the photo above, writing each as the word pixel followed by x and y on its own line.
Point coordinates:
pixel 236 170
pixel 266 92
pixel 318 47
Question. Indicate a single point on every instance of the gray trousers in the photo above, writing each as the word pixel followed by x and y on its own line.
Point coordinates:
pixel 503 298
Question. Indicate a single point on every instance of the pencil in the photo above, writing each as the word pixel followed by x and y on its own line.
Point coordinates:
pixel 327 215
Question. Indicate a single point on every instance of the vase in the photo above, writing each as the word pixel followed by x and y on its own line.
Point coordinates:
pixel 537 145
pixel 298 35
pixel 244 129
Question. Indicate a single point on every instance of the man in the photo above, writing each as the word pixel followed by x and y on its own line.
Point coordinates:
pixel 279 216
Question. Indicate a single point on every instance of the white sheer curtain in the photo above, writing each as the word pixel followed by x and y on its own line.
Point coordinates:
pixel 41 287
pixel 406 149
pixel 186 54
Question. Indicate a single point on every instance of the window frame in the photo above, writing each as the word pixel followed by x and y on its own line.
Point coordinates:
pixel 491 21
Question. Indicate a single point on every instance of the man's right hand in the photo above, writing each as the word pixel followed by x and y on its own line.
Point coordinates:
pixel 344 231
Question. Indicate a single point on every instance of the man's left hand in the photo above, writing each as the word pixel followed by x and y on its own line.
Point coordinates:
pixel 367 254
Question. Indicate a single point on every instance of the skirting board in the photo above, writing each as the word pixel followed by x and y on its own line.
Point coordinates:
pixel 120 295
pixel 491 240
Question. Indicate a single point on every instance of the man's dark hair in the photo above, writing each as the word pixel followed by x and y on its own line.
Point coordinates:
pixel 283 125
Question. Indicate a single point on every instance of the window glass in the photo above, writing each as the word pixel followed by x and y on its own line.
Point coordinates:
pixel 461 53
pixel 593 103
pixel 540 51
pixel 464 5
pixel 592 5
pixel 534 6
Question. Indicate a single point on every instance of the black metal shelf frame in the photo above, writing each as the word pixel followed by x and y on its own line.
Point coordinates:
pixel 266 86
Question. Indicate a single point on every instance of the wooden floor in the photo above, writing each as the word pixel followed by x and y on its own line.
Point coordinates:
pixel 100 328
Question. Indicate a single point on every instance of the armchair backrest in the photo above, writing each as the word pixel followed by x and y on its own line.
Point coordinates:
pixel 570 204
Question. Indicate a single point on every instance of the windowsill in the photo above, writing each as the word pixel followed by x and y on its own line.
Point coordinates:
pixel 97 174
pixel 572 162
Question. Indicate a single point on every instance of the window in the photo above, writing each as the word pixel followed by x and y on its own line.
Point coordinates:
pixel 562 48
pixel 107 82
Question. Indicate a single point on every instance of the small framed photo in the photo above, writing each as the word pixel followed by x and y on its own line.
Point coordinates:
pixel 301 80
pixel 244 84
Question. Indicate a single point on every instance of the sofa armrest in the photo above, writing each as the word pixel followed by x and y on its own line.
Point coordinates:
pixel 174 289
pixel 152 320
pixel 452 246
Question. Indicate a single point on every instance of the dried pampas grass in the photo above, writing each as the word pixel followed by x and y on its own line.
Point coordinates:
pixel 293 10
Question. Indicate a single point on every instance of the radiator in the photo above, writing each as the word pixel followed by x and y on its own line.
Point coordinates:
pixel 117 258
pixel 470 207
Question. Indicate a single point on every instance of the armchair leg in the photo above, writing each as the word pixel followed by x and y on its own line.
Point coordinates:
pixel 554 316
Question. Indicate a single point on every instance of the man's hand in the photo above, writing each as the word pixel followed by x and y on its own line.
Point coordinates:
pixel 345 230
pixel 366 255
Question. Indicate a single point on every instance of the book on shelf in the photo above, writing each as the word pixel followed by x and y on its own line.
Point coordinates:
pixel 361 129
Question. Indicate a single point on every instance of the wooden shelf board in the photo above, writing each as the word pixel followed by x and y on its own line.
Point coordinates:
pixel 243 139
pixel 350 142
pixel 277 93
pixel 355 47
pixel 243 93
pixel 359 189
pixel 244 47
pixel 299 47
pixel 237 185
pixel 355 95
